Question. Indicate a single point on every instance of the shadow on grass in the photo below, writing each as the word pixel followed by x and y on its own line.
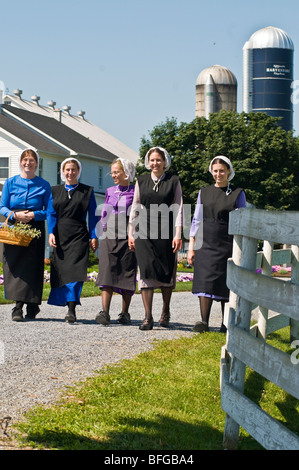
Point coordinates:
pixel 255 386
pixel 165 434
pixel 139 434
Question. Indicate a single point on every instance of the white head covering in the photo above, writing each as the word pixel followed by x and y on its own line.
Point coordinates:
pixel 129 168
pixel 37 156
pixel 62 176
pixel 226 160
pixel 166 156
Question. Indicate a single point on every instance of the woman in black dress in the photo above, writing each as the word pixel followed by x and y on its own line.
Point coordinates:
pixel 156 217
pixel 69 236
pixel 213 206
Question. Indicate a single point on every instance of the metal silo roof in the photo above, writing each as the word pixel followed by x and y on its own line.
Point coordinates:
pixel 270 37
pixel 220 75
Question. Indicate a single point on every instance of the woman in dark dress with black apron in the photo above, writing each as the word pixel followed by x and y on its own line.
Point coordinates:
pixel 69 236
pixel 213 244
pixel 157 236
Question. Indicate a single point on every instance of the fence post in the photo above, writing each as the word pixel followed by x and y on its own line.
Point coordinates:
pixel 247 290
pixel 242 321
pixel 266 270
pixel 294 325
pixel 236 257
pixel 231 431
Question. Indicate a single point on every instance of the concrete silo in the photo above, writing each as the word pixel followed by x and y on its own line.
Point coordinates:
pixel 268 74
pixel 216 89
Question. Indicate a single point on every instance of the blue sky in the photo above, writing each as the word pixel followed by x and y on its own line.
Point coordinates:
pixel 130 64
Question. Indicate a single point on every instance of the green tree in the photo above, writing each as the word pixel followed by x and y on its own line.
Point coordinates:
pixel 265 157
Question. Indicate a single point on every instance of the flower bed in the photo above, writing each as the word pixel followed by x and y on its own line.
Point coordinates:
pixel 184 277
pixel 279 271
pixel 92 276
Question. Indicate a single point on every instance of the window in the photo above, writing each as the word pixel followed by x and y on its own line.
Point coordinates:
pixel 100 179
pixel 40 168
pixel 58 173
pixel 4 162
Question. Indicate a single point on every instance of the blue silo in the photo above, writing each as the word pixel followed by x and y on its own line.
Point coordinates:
pixel 268 74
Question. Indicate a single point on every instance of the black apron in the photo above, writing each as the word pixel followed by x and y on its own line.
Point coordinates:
pixel 210 262
pixel 153 247
pixel 70 258
pixel 23 268
pixel 117 263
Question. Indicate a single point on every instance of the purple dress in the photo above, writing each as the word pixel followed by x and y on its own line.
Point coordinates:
pixel 117 263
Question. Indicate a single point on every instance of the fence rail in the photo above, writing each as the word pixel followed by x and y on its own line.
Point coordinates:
pixel 247 345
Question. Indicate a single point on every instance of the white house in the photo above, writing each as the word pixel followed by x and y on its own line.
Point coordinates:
pixel 56 134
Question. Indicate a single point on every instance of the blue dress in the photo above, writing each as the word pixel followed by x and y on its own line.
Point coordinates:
pixel 70 291
pixel 21 193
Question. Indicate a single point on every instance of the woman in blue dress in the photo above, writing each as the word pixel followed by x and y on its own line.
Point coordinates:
pixel 27 195
pixel 68 208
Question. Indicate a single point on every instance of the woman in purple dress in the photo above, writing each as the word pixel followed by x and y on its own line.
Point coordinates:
pixel 117 264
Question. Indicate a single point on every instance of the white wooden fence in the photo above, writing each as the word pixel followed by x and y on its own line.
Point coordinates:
pixel 246 345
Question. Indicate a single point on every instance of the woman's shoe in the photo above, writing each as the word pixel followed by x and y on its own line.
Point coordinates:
pixel 70 317
pixel 147 324
pixel 201 327
pixel 71 314
pixel 103 318
pixel 32 311
pixel 17 314
pixel 164 320
pixel 124 319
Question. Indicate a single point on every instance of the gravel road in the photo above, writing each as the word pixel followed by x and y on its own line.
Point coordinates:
pixel 38 359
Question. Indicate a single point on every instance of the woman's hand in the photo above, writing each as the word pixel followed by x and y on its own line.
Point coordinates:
pixel 190 256
pixel 176 244
pixel 191 252
pixel 52 240
pixel 24 216
pixel 94 244
pixel 131 243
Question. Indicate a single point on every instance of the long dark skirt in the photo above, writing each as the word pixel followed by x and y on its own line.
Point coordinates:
pixel 156 259
pixel 153 246
pixel 117 266
pixel 70 258
pixel 23 269
pixel 210 261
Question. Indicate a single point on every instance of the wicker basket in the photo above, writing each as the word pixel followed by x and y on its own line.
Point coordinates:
pixel 9 237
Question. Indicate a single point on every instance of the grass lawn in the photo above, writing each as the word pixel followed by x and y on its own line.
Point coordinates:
pixel 164 399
